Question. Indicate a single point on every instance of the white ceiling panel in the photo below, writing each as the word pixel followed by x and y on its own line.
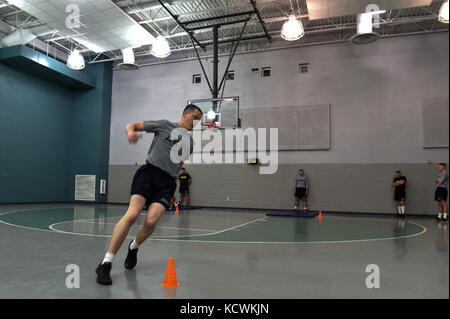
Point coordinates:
pixel 322 9
pixel 97 18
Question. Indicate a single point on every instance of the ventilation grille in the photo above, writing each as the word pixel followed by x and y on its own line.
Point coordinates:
pixel 365 38
pixel 128 66
pixel 85 187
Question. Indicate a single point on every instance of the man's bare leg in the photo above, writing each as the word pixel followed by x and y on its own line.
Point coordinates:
pixel 172 201
pixel 120 232
pixel 187 199
pixel 444 210
pixel 155 211
pixel 180 202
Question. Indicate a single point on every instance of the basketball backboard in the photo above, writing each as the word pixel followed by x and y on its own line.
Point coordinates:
pixel 224 112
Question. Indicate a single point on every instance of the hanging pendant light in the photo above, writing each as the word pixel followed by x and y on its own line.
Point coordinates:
pixel 75 60
pixel 292 29
pixel 443 13
pixel 160 47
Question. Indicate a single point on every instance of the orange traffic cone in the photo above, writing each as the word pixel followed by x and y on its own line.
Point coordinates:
pixel 170 292
pixel 170 279
pixel 177 209
pixel 320 216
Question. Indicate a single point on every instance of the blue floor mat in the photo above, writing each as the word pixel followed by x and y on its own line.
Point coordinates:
pixel 291 213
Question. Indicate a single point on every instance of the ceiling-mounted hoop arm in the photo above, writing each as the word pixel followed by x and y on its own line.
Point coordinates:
pixel 232 52
pixel 182 26
pixel 200 61
pixel 218 17
pixel 253 3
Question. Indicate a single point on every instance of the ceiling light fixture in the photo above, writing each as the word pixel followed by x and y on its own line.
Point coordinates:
pixel 292 29
pixel 75 60
pixel 160 47
pixel 443 13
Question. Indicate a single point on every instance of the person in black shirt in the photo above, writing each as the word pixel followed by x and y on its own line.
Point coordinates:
pixel 185 181
pixel 400 192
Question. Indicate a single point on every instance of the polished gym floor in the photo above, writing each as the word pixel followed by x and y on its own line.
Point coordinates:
pixel 223 253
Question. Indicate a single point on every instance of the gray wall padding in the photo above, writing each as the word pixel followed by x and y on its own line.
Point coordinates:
pixel 299 127
pixel 435 122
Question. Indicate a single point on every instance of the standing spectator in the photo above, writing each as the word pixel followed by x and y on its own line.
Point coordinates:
pixel 301 189
pixel 400 192
pixel 185 181
pixel 441 193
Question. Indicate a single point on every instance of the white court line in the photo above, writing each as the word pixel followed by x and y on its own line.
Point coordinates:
pixel 87 221
pixel 210 241
pixel 177 236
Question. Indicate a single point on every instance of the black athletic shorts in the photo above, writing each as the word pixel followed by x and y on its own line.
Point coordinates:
pixel 154 184
pixel 184 189
pixel 300 192
pixel 440 194
pixel 400 196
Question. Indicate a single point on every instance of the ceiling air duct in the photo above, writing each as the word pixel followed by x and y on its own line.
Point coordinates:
pixel 128 60
pixel 365 34
pixel 22 36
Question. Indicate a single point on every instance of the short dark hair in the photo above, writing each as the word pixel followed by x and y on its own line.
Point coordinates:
pixel 183 168
pixel 398 172
pixel 301 169
pixel 443 164
pixel 191 108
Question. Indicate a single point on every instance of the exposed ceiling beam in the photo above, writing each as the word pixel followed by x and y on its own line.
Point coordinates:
pixel 151 5
pixel 270 49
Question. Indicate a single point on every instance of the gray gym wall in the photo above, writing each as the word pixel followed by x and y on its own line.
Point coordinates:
pixel 376 93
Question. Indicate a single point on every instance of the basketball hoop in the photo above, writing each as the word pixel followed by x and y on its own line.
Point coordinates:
pixel 209 124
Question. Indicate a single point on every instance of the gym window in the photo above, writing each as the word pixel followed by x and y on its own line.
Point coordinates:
pixel 196 78
pixel 265 72
pixel 303 68
pixel 230 75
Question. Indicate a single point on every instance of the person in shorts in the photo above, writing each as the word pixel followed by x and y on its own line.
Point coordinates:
pixel 185 180
pixel 399 183
pixel 153 184
pixel 301 189
pixel 441 193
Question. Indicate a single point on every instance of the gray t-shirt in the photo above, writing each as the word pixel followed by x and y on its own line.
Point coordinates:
pixel 301 182
pixel 443 176
pixel 159 153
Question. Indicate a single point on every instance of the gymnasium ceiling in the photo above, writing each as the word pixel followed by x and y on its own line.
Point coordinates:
pixel 106 22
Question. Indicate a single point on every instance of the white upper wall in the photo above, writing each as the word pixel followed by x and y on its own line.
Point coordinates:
pixel 375 92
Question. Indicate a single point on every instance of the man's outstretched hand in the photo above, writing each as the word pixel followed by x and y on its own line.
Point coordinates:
pixel 133 138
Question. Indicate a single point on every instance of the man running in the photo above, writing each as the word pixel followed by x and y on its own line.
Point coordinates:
pixel 153 184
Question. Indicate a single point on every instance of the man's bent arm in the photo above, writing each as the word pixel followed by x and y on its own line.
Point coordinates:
pixel 131 129
pixel 135 127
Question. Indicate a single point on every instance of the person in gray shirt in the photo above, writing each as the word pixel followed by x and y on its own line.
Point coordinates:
pixel 301 189
pixel 153 184
pixel 441 192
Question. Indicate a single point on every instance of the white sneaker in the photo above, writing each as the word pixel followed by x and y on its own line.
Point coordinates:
pixel 295 207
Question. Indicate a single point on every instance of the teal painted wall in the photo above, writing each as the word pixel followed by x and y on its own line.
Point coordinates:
pixel 49 133
pixel 91 115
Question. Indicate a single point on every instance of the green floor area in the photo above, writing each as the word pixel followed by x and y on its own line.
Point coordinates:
pixel 256 228
pixel 279 229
